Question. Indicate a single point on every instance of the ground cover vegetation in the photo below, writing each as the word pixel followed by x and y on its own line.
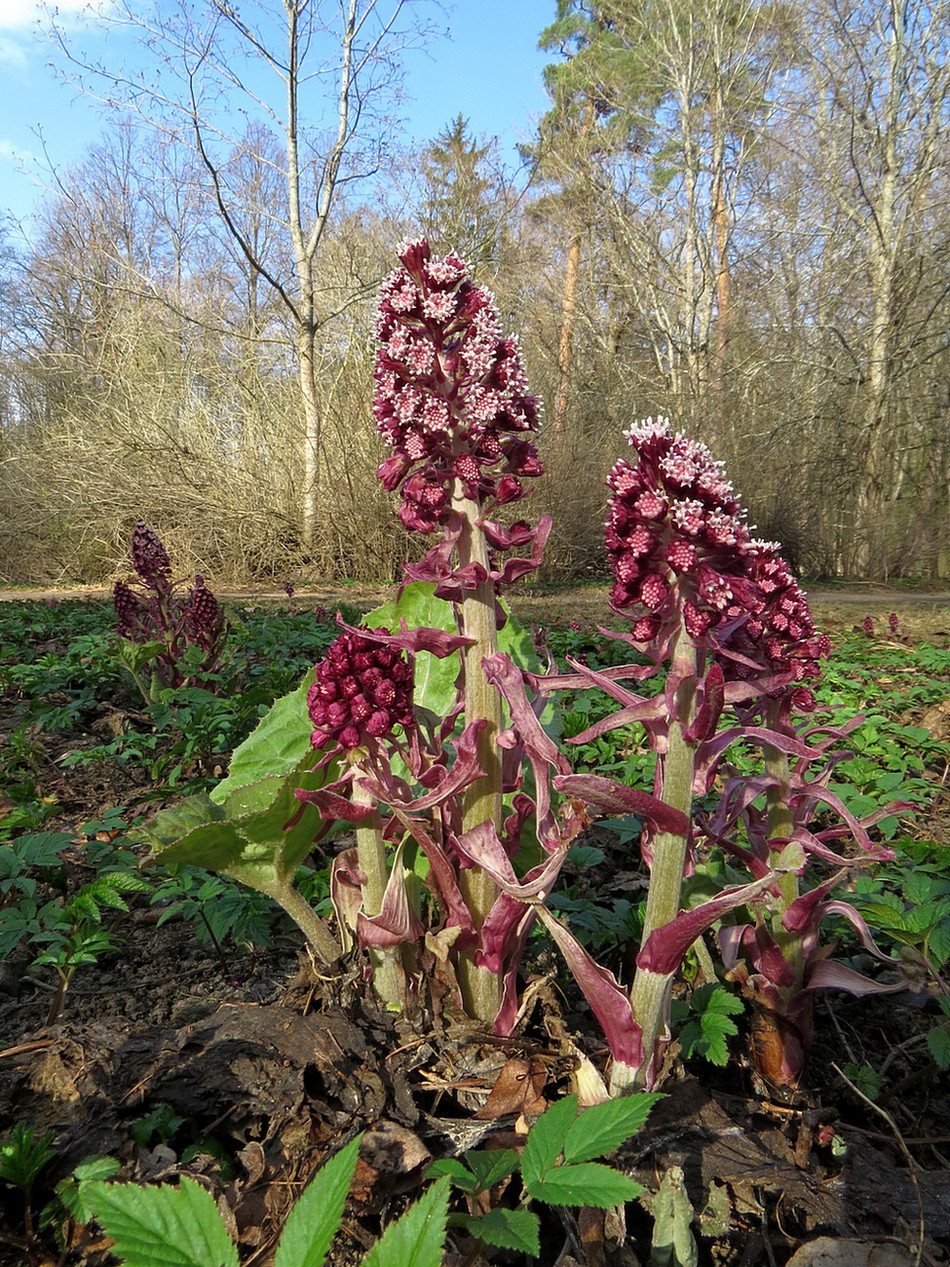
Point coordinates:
pixel 448 809
pixel 731 214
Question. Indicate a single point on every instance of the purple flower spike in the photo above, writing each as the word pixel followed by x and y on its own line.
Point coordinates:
pixel 362 691
pixel 681 551
pixel 149 556
pixel 451 393
pixel 205 615
pixel 126 604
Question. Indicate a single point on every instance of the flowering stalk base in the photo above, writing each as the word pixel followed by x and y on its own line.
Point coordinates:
pixel 649 997
pixel 388 977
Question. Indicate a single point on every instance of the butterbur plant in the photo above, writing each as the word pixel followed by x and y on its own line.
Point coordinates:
pixel 464 806
pixel 722 612
pixel 452 402
pixel 178 638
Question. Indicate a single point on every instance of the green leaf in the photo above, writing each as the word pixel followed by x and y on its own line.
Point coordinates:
pixel 724 1002
pixel 546 1140
pixel 23 1155
pixel 434 680
pixel 162 1226
pixel 434 686
pixel 506 1229
pixel 604 1127
pixel 314 1220
pixel 589 1183
pixel 134 656
pixel 278 745
pixel 938 1040
pixel 490 1166
pixel 72 1191
pixel 172 824
pixel 417 1238
pixel 460 1175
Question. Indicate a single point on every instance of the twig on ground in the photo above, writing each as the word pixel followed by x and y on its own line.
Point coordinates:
pixel 905 1152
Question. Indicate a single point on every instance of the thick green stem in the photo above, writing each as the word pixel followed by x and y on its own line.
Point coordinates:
pixel 781 827
pixel 481 990
pixel 388 979
pixel 320 938
pixel 650 992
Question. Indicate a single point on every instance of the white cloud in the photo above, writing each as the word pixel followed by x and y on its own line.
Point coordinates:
pixel 11 53
pixel 24 162
pixel 19 14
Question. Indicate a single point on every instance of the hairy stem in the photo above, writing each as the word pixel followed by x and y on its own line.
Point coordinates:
pixel 387 974
pixel 481 990
pixel 319 937
pixel 781 826
pixel 649 996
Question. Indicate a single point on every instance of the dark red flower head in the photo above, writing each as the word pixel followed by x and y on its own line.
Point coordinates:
pixel 680 548
pixel 127 606
pixel 451 393
pixel 149 556
pixel 362 691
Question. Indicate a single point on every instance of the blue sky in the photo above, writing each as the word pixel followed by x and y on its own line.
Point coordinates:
pixel 488 69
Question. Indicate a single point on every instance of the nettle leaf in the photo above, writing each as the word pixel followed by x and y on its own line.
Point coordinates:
pixel 604 1127
pixel 546 1140
pixel 162 1226
pixel 315 1219
pixel 417 1238
pixel 586 1184
pixel 506 1229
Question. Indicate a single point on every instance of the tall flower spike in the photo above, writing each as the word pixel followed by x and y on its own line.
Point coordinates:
pixel 451 393
pixel 680 548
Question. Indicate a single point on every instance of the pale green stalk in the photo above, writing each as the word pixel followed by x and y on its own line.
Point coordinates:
pixel 481 989
pixel 650 992
pixel 321 940
pixel 388 980
pixel 781 827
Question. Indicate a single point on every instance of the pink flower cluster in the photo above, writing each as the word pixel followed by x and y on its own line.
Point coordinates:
pixel 451 393
pixel 679 545
pixel 363 690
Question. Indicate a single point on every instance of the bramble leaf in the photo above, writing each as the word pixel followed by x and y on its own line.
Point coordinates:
pixel 491 1166
pixel 604 1127
pixel 588 1183
pixel 506 1229
pixel 162 1226
pixel 416 1239
pixel 546 1140
pixel 314 1220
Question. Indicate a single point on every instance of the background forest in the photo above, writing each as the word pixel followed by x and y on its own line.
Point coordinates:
pixel 734 213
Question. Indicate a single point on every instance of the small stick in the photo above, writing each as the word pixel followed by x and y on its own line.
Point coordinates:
pixel 905 1152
